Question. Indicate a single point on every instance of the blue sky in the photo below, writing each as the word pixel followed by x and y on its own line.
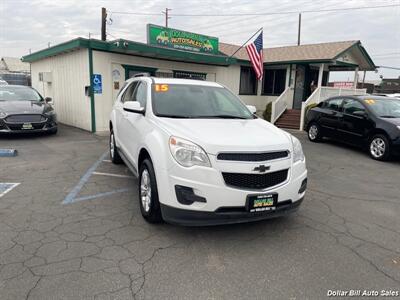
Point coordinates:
pixel 33 24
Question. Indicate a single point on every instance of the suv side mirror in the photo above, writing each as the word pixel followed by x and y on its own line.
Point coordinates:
pixel 252 109
pixel 134 107
pixel 48 100
pixel 360 113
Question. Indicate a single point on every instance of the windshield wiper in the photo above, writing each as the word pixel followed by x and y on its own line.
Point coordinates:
pixel 174 116
pixel 389 117
pixel 223 117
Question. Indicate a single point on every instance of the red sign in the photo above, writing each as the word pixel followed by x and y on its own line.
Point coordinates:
pixel 343 84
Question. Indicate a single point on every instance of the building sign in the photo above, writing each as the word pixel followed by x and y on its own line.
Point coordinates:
pixel 343 84
pixel 182 40
pixel 97 84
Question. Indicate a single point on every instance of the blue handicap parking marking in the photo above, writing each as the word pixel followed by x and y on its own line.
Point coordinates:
pixel 6 187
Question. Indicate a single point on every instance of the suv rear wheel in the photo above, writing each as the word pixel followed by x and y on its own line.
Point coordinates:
pixel 379 147
pixel 148 193
pixel 114 155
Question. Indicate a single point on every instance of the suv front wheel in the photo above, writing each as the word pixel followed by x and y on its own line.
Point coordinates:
pixel 148 193
pixel 114 155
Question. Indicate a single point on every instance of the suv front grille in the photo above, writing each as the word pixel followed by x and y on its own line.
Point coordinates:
pixel 264 156
pixel 15 119
pixel 255 181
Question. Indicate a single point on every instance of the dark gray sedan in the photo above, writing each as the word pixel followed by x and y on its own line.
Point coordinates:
pixel 23 109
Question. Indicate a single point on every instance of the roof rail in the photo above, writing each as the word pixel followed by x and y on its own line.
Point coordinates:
pixel 142 75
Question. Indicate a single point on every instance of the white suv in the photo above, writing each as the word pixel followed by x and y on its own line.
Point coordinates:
pixel 202 156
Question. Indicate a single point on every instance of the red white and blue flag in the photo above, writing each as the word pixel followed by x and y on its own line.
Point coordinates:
pixel 255 52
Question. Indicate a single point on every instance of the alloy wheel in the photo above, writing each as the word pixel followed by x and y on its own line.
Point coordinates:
pixel 378 147
pixel 313 132
pixel 145 190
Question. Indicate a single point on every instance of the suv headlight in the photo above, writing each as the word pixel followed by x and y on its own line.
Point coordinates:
pixel 298 154
pixel 187 153
pixel 398 127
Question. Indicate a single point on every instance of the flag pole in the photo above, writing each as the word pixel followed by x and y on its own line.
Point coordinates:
pixel 244 44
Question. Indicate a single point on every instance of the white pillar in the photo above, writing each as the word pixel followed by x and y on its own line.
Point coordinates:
pixel 320 74
pixel 355 78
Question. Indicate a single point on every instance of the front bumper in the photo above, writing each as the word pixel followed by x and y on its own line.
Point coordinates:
pixel 239 215
pixel 219 203
pixel 48 126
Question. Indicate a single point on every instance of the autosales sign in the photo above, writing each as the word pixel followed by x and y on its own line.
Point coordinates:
pixel 182 40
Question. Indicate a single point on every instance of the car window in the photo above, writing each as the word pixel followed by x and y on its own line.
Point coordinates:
pixel 141 94
pixel 334 104
pixel 223 103
pixel 351 106
pixel 18 93
pixel 128 94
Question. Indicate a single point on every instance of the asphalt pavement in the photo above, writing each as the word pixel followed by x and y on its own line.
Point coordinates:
pixel 70 228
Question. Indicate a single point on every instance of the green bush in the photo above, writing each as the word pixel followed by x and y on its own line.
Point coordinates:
pixel 308 107
pixel 267 112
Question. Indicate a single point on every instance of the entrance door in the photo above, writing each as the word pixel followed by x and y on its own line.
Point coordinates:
pixel 299 87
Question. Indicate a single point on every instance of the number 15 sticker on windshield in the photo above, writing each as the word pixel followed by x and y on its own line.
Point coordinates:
pixel 161 87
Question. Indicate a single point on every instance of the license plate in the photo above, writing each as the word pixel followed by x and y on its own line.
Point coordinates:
pixel 261 202
pixel 27 126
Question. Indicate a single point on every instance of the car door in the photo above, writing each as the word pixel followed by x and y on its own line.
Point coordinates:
pixel 331 114
pixel 120 116
pixel 354 128
pixel 136 124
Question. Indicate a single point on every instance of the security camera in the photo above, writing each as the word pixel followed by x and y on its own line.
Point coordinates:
pixel 116 44
pixel 125 44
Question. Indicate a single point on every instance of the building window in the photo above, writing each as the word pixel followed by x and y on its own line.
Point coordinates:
pixel 274 81
pixel 248 81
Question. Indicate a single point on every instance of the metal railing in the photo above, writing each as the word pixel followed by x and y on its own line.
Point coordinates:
pixel 324 92
pixel 279 105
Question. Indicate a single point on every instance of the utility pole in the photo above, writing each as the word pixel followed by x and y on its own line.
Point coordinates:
pixel 166 16
pixel 299 31
pixel 103 23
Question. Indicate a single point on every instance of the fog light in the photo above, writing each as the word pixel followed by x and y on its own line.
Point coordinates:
pixel 185 195
pixel 303 186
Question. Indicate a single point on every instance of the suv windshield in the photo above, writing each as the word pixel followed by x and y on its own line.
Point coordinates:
pixel 384 108
pixel 18 93
pixel 196 101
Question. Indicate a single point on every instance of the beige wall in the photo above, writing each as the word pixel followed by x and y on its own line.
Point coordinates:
pixel 105 63
pixel 70 75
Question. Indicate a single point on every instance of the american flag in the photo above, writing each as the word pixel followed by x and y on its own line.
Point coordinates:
pixel 255 52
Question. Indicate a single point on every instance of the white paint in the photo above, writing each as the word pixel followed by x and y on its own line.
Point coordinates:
pixel 112 175
pixel 12 186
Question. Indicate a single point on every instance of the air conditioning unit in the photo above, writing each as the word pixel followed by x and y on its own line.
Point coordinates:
pixel 46 77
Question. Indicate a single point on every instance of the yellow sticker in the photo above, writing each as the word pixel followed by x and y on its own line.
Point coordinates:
pixel 161 87
pixel 370 101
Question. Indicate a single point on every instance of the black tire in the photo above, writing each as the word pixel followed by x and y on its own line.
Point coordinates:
pixel 53 131
pixel 114 155
pixel 149 207
pixel 379 147
pixel 314 132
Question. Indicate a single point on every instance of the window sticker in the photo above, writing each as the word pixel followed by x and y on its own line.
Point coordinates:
pixel 161 88
pixel 369 101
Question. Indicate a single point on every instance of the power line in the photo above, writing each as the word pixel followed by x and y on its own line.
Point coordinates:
pixel 257 14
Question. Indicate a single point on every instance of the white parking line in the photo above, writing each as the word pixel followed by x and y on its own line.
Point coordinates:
pixel 5 187
pixel 107 160
pixel 112 175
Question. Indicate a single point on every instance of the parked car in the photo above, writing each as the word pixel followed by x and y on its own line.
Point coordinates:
pixel 23 109
pixel 370 121
pixel 202 156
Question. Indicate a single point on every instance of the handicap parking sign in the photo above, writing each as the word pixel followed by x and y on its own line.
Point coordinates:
pixel 97 84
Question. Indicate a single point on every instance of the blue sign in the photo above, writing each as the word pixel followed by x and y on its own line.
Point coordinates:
pixel 97 84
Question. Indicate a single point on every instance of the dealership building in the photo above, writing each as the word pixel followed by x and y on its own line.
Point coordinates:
pixel 84 76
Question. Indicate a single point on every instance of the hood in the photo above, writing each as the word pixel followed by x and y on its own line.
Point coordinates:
pixel 217 135
pixel 22 107
pixel 395 121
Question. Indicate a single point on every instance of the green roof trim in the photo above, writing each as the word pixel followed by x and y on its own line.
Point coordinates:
pixel 131 48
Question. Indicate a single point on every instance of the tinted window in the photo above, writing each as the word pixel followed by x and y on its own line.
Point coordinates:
pixel 128 94
pixel 141 94
pixel 248 81
pixel 333 104
pixel 351 106
pixel 193 101
pixel 18 93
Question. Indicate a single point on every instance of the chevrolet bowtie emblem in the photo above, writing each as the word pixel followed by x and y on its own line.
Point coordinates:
pixel 262 168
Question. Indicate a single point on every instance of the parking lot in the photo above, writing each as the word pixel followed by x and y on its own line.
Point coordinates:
pixel 72 229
